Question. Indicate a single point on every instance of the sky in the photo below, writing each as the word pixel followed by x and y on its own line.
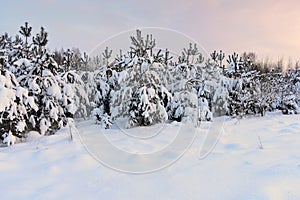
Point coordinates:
pixel 270 28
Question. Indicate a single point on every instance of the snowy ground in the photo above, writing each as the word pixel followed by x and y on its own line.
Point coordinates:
pixel 55 167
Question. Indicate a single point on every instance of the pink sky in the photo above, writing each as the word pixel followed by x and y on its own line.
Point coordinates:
pixel 267 27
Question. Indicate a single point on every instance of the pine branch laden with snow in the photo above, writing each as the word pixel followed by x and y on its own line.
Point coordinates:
pixel 183 106
pixel 9 139
pixel 146 108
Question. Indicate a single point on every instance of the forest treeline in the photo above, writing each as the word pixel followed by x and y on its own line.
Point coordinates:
pixel 45 90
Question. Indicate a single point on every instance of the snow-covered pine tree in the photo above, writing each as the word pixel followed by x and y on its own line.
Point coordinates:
pixel 90 80
pixel 26 32
pixel 181 73
pixel 142 97
pixel 102 101
pixel 297 84
pixel 5 47
pixel 252 101
pixel 106 56
pixel 207 83
pixel 270 91
pixel 235 86
pixel 289 92
pixel 12 50
pixel 75 99
pixel 42 82
pixel 214 87
pixel 235 64
pixel 142 47
pixel 146 107
pixel 140 93
pixel 244 90
pixel 14 104
pixel 105 81
pixel 184 104
pixel 218 59
pixel 190 53
pixel 68 60
pixel 86 63
pixel 250 93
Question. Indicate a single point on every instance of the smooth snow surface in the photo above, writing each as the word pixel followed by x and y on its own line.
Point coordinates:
pixel 255 158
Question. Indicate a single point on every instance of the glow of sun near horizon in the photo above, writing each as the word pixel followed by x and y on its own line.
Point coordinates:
pixel 270 28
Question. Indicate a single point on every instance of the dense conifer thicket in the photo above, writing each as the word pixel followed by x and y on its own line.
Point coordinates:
pixel 43 91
